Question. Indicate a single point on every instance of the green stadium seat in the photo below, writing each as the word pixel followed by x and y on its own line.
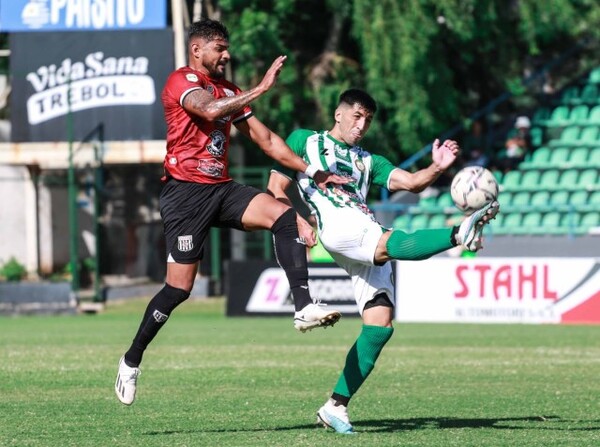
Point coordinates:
pixel 539 158
pixel 445 200
pixel 559 157
pixel 559 198
pixel 510 223
pixel 418 221
pixel 570 95
pixel 579 114
pixel 589 136
pixel 540 198
pixel 550 222
pixel 589 94
pixel 530 180
pixel 521 198
pixel 549 179
pixel 578 198
pixel 401 222
pixel 438 221
pixel 505 198
pixel 594 157
pixel 537 136
pixel 568 137
pixel 578 157
pixel 511 180
pixel 594 76
pixel 498 175
pixel 559 116
pixel 568 179
pixel 541 116
pixel 568 224
pixel 589 220
pixel 594 115
pixel 594 200
pixel 588 178
pixel 427 203
pixel 529 224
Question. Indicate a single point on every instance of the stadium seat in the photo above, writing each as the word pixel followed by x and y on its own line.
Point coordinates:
pixel 438 221
pixel 541 116
pixel 594 76
pixel 539 159
pixel 549 179
pixel 568 137
pixel 511 180
pixel 401 222
pixel 570 95
pixel 579 114
pixel 520 199
pixel 594 115
pixel 427 203
pixel 589 94
pixel 559 116
pixel 587 179
pixel 589 136
pixel 568 179
pixel 530 223
pixel 559 198
pixel 445 200
pixel 550 222
pixel 578 157
pixel 530 180
pixel 511 222
pixel 540 198
pixel 418 221
pixel 594 157
pixel 537 136
pixel 578 198
pixel 588 220
pixel 559 157
pixel 594 200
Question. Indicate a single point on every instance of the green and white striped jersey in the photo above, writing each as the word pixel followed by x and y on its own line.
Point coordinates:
pixel 322 151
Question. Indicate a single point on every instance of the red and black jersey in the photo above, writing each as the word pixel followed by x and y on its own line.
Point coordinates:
pixel 197 150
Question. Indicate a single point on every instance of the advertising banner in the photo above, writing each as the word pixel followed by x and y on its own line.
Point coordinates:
pixel 499 290
pixel 81 15
pixel 81 81
pixel 261 288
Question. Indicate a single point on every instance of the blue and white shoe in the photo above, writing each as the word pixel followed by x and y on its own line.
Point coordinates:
pixel 335 417
pixel 470 230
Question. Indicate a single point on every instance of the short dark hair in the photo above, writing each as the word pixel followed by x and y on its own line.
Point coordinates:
pixel 356 96
pixel 208 30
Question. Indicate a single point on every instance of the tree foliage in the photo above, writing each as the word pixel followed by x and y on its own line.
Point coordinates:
pixel 429 64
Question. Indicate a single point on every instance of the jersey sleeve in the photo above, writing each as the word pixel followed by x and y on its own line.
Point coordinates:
pixel 381 170
pixel 179 84
pixel 297 142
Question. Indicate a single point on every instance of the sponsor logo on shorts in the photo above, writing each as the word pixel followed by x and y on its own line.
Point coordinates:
pixel 300 240
pixel 185 243
pixel 159 316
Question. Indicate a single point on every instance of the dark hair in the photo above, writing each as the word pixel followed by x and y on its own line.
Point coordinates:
pixel 356 96
pixel 208 30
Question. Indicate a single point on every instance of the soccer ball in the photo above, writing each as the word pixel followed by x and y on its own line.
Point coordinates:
pixel 472 188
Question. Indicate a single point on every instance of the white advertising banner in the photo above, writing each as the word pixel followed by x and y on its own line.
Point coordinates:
pixel 499 290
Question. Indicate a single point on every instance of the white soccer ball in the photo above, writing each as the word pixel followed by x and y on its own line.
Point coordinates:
pixel 472 188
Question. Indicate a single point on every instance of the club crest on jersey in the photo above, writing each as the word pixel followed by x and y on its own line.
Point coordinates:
pixel 216 147
pixel 339 150
pixel 191 77
pixel 185 243
pixel 360 165
pixel 211 167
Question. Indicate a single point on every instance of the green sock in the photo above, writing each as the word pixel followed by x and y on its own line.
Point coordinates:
pixel 421 244
pixel 361 358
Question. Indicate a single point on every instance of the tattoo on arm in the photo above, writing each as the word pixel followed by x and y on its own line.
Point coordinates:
pixel 202 101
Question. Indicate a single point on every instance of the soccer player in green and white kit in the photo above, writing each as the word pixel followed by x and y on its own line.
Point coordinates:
pixel 360 245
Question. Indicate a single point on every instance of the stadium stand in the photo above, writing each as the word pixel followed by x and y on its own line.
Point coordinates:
pixel 556 190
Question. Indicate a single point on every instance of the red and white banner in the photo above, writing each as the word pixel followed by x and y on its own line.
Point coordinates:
pixel 499 290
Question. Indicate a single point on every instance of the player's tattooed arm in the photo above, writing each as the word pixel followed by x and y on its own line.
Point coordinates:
pixel 203 104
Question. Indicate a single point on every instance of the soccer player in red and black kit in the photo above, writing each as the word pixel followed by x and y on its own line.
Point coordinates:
pixel 200 107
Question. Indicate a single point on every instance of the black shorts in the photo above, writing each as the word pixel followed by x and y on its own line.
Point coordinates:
pixel 190 209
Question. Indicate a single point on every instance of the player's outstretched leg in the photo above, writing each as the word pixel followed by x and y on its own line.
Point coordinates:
pixel 126 382
pixel 469 233
pixel 315 315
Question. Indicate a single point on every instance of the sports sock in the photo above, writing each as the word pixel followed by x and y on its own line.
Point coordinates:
pixel 290 253
pixel 421 244
pixel 360 361
pixel 158 311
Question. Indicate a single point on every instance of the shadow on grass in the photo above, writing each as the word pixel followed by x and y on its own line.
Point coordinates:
pixel 435 423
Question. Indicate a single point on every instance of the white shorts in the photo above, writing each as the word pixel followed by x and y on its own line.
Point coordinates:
pixel 352 239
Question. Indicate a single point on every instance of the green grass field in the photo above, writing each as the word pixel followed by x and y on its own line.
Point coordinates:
pixel 208 380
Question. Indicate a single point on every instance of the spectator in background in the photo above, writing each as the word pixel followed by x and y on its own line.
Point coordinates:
pixel 474 147
pixel 517 145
